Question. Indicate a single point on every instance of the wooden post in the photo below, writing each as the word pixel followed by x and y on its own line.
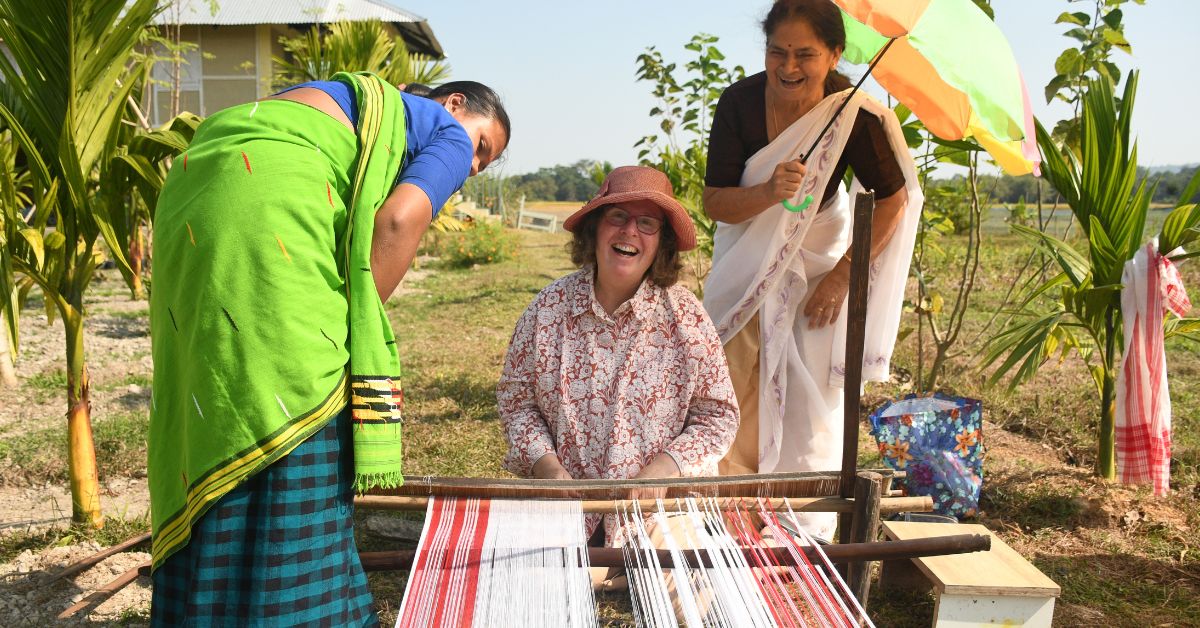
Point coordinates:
pixel 856 326
pixel 864 529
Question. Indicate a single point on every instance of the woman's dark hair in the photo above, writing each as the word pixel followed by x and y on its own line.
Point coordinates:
pixel 481 100
pixel 664 272
pixel 418 89
pixel 825 18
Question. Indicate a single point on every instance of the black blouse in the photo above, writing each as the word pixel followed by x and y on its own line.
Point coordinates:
pixel 739 130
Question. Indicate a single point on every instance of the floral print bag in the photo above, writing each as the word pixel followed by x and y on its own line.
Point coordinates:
pixel 938 441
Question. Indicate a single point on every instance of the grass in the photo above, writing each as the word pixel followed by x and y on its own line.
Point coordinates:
pixel 41 456
pixel 132 315
pixel 144 381
pixel 454 330
pixel 48 385
pixel 116 530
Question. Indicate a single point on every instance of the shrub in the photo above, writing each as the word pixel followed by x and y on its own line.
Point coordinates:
pixel 481 243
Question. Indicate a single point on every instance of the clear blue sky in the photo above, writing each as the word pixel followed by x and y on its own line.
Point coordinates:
pixel 566 68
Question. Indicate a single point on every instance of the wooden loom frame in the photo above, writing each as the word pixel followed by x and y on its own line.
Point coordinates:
pixel 859 497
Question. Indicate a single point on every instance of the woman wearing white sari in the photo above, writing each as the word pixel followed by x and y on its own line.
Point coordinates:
pixel 779 279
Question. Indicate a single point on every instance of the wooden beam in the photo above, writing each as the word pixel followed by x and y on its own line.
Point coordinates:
pixel 807 484
pixel 614 556
pixel 95 559
pixel 864 529
pixel 887 505
pixel 856 326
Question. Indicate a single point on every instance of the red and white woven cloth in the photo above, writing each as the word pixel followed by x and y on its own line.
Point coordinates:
pixel 1152 286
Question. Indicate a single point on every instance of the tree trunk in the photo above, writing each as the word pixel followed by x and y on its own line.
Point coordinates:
pixel 81 449
pixel 1106 460
pixel 8 376
pixel 136 253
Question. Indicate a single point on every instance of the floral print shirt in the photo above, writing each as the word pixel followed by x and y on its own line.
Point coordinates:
pixel 609 393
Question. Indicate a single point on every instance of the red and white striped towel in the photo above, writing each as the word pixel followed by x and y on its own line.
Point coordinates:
pixel 1152 286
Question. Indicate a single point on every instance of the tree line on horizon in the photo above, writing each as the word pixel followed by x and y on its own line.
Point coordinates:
pixel 577 182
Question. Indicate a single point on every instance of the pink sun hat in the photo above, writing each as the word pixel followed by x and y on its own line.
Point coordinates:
pixel 641 183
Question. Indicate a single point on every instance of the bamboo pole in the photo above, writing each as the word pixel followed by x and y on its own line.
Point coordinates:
pixel 95 559
pixel 103 593
pixel 887 505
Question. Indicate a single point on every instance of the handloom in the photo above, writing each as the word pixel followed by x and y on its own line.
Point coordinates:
pixel 471 568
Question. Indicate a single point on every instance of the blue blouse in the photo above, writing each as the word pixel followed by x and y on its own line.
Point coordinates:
pixel 437 153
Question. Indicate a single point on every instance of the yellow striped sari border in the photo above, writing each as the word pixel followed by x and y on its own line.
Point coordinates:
pixel 175 533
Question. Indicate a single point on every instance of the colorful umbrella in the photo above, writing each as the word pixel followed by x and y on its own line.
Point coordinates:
pixel 951 65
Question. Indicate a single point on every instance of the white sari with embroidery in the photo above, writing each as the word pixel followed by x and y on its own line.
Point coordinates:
pixel 767 265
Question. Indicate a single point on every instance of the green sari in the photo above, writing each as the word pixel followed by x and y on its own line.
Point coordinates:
pixel 264 317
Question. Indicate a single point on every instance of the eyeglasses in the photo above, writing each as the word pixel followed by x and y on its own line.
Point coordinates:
pixel 648 225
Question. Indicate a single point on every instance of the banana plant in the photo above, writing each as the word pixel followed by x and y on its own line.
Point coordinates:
pixel 66 85
pixel 1078 310
pixel 14 197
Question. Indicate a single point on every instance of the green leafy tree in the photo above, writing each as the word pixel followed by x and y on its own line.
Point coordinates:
pixel 685 112
pixel 1097 34
pixel 64 95
pixel 353 47
pixel 1078 309
pixel 952 207
pixel 565 182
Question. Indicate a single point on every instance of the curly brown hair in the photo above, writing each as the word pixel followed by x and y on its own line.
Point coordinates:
pixel 664 272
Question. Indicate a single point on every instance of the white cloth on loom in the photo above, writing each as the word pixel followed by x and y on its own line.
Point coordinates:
pixel 766 265
pixel 1152 286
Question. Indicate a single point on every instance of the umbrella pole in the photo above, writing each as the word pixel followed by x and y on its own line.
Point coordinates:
pixel 804 157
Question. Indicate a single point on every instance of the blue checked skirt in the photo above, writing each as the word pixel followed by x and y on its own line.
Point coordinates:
pixel 276 551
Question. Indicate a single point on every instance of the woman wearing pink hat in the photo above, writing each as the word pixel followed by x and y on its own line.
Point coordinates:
pixel 615 370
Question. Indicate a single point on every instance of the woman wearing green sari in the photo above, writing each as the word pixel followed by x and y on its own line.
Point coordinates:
pixel 276 375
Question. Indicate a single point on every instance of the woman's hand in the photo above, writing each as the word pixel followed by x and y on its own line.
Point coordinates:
pixel 549 468
pixel 662 466
pixel 736 204
pixel 827 298
pixel 785 180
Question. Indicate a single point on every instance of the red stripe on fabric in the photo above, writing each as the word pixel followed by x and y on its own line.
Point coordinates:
pixel 420 571
pixel 247 160
pixel 808 572
pixel 473 562
pixel 1129 445
pixel 443 614
pixel 185 162
pixel 772 595
pixel 1154 337
pixel 329 193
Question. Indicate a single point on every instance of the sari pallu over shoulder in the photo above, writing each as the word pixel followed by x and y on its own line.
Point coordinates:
pixel 265 321
pixel 767 264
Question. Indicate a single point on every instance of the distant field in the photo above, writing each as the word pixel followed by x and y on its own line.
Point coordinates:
pixel 560 208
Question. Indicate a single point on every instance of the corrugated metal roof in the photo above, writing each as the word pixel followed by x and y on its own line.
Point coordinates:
pixel 414 28
pixel 241 12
